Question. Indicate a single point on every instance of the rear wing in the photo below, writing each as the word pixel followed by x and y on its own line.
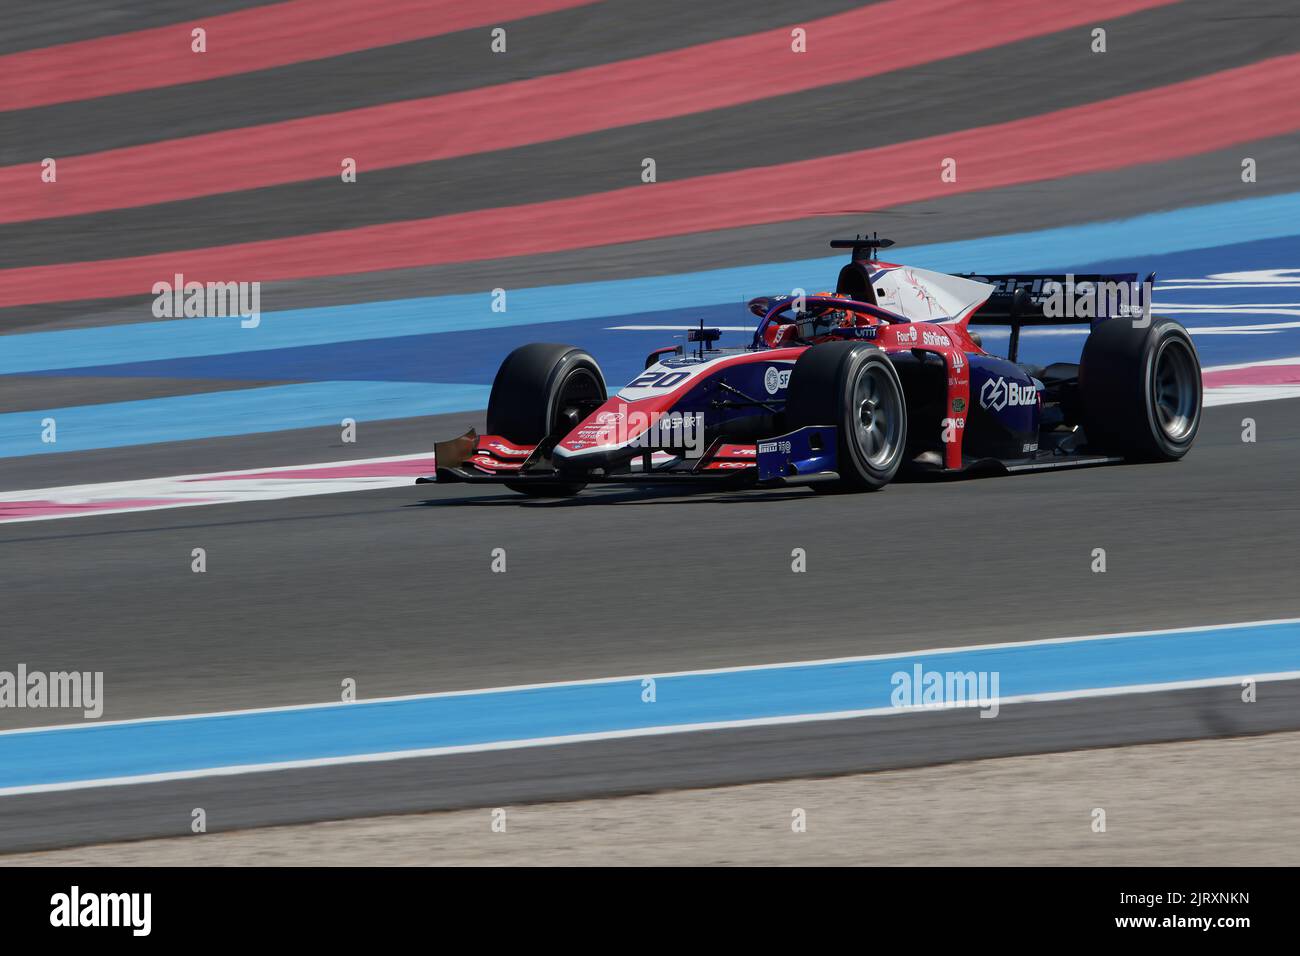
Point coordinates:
pixel 1061 298
pixel 1036 299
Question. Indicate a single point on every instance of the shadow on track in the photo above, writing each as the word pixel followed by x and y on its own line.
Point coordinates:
pixel 652 495
pixel 628 496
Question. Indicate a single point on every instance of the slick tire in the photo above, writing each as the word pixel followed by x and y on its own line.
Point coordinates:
pixel 853 386
pixel 1141 389
pixel 538 391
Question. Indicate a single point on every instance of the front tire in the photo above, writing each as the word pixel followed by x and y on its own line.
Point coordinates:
pixel 853 386
pixel 539 390
pixel 1142 392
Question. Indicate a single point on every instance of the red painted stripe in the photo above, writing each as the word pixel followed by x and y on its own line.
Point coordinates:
pixel 1253 375
pixel 1158 125
pixel 240 42
pixel 705 77
pixel 43 508
pixel 366 469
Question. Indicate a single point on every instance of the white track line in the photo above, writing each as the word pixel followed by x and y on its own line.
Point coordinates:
pixel 227 487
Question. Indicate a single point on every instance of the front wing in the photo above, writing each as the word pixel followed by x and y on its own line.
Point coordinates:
pixel 804 456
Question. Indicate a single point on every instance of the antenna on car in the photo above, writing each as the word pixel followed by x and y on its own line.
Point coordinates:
pixel 863 247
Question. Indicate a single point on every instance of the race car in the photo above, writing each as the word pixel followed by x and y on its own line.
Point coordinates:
pixel 841 390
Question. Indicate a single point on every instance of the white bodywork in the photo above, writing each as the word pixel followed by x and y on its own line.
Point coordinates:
pixel 925 296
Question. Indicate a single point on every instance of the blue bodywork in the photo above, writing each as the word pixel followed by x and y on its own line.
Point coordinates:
pixel 805 451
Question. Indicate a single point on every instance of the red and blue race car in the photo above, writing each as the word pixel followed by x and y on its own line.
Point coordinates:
pixel 841 390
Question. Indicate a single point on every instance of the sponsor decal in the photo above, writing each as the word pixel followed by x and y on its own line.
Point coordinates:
pixel 937 339
pixel 737 451
pixel 1030 446
pixel 907 336
pixel 959 404
pixel 922 293
pixel 775 379
pixel 489 463
pixel 997 393
pixel 509 451
pixel 655 381
pixel 633 428
pixel 770 447
pixel 676 430
pixel 1009 284
pixel 663 379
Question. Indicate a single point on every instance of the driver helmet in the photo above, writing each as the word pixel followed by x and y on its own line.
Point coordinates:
pixel 820 321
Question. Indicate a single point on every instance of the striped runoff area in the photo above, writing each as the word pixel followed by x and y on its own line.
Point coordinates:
pixel 562 151
pixel 230 487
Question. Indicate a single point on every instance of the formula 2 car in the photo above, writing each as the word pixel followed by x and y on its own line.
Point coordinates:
pixel 841 390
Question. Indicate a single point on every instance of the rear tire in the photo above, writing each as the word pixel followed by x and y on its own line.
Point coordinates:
pixel 539 390
pixel 1141 388
pixel 853 386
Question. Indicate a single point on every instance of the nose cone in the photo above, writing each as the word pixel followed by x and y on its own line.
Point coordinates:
pixel 605 436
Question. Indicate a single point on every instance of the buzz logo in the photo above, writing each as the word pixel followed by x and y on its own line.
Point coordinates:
pixel 997 393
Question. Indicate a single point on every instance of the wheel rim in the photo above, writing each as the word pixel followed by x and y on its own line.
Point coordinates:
pixel 877 415
pixel 579 393
pixel 1174 389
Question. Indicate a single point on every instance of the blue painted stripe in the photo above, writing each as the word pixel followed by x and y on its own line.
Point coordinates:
pixel 1163 232
pixel 240 412
pixel 91 752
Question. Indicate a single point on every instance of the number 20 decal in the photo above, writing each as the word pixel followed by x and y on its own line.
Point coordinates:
pixel 659 379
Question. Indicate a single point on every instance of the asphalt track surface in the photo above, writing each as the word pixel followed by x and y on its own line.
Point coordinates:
pixel 394 589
